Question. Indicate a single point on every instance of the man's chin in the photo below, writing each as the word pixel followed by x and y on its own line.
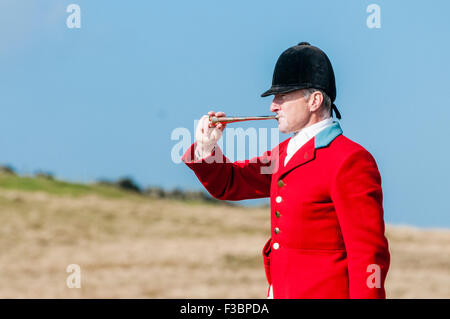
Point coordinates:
pixel 283 130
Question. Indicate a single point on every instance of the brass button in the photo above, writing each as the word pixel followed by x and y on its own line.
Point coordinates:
pixel 276 230
pixel 277 214
pixel 281 183
pixel 278 199
pixel 276 246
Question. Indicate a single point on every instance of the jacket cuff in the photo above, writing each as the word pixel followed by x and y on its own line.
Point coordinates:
pixel 189 156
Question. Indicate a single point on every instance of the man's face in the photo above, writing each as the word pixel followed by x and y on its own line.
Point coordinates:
pixel 293 111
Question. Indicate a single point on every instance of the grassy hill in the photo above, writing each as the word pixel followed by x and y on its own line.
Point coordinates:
pixel 55 187
pixel 129 245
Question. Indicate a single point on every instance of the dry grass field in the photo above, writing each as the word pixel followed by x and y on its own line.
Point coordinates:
pixel 135 247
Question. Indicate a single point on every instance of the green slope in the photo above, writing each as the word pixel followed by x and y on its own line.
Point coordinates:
pixel 32 184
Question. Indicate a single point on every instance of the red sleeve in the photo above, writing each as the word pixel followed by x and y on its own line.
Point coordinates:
pixel 232 181
pixel 358 200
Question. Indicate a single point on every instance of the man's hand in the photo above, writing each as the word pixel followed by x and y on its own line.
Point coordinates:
pixel 208 134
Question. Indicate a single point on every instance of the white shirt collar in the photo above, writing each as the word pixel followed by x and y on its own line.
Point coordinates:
pixel 304 135
pixel 312 130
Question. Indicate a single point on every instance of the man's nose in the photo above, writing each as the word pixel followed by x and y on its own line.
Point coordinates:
pixel 274 107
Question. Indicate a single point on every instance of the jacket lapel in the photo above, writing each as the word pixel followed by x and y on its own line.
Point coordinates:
pixel 308 151
pixel 303 155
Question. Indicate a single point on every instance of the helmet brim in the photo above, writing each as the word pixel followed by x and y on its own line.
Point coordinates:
pixel 283 89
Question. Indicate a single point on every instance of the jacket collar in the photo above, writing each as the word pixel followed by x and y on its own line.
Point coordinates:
pixel 307 152
pixel 327 135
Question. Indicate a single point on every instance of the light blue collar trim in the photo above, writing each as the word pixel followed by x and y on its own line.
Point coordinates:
pixel 327 135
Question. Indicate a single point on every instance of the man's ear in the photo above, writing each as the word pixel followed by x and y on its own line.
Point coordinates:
pixel 315 101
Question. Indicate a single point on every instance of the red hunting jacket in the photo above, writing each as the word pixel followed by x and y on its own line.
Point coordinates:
pixel 327 229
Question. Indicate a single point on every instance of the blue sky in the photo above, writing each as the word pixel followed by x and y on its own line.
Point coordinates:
pixel 103 100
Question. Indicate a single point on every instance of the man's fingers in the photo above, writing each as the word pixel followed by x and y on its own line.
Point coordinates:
pixel 223 126
pixel 218 114
pixel 206 124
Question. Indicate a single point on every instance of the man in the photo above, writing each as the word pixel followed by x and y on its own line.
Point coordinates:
pixel 327 229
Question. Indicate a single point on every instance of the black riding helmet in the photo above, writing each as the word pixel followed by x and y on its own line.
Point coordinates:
pixel 304 66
